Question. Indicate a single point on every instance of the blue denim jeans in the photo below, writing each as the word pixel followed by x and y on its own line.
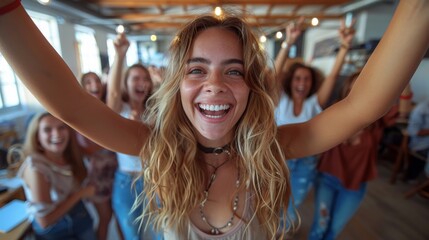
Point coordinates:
pixel 334 206
pixel 302 175
pixel 76 224
pixel 124 195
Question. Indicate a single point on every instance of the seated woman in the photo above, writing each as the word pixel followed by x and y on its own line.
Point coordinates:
pixel 53 173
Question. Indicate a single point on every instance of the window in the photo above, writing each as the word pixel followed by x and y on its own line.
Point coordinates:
pixel 9 94
pixel 87 49
pixel 12 95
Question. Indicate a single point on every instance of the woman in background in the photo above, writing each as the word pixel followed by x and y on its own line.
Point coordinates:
pixel 101 163
pixel 53 172
pixel 301 99
pixel 127 95
pixel 344 172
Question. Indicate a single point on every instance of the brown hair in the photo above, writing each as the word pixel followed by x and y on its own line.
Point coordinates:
pixel 124 85
pixel 104 87
pixel 315 78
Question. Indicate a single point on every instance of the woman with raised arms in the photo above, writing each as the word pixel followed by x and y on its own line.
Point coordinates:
pixel 214 157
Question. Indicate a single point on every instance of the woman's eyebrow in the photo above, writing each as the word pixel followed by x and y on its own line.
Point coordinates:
pixel 206 61
pixel 198 60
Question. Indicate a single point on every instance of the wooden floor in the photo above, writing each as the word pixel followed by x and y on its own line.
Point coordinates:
pixel 384 214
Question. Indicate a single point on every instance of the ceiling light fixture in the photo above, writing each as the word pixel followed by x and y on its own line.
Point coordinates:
pixel 218 11
pixel 314 22
pixel 44 2
pixel 120 29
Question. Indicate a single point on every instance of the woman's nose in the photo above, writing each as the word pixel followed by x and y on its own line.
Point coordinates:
pixel 215 83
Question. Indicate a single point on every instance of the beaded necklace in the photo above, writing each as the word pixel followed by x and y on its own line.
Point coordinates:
pixel 217 230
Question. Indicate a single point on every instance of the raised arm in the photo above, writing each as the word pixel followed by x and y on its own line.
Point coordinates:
pixel 385 75
pixel 325 90
pixel 46 75
pixel 114 100
pixel 293 31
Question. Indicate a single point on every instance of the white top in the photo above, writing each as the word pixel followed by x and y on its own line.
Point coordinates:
pixel 60 178
pixel 240 231
pixel 128 163
pixel 284 111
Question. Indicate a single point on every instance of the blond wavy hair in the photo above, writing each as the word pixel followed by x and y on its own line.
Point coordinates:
pixel 173 179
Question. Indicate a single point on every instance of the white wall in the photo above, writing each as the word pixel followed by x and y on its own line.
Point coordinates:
pixel 68 45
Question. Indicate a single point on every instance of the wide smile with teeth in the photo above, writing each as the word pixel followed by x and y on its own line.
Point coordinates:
pixel 214 110
pixel 56 141
pixel 140 91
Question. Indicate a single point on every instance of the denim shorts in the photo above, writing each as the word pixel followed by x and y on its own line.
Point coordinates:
pixel 76 224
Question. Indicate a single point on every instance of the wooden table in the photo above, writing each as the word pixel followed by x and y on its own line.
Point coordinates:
pixel 22 229
pixel 18 232
pixel 10 194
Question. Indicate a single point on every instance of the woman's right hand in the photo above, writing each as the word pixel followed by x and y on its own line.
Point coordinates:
pixel 293 31
pixel 347 33
pixel 121 44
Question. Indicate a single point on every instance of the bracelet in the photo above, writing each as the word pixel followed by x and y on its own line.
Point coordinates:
pixel 284 44
pixel 10 7
pixel 406 97
pixel 345 46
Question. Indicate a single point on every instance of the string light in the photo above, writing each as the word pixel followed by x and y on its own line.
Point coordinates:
pixel 314 21
pixel 218 11
pixel 153 38
pixel 44 2
pixel 279 35
pixel 263 39
pixel 120 29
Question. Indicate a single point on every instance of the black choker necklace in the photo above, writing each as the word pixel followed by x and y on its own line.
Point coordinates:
pixel 216 150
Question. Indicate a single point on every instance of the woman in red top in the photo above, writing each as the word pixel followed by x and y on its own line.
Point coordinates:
pixel 343 175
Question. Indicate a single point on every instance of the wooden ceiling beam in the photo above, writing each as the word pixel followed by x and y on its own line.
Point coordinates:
pixel 162 17
pixel 147 3
pixel 173 26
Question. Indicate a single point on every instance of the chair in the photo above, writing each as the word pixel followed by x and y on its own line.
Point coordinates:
pixel 423 187
pixel 403 157
pixel 417 188
pixel 15 157
pixel 8 138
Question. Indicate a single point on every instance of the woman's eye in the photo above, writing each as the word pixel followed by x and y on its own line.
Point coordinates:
pixel 235 72
pixel 195 71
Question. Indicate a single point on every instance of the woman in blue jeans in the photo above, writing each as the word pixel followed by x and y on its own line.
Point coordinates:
pixel 125 192
pixel 343 175
pixel 53 173
pixel 300 99
pixel 127 96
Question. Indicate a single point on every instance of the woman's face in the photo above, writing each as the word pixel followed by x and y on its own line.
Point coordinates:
pixel 93 86
pixel 53 135
pixel 213 92
pixel 301 83
pixel 139 84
